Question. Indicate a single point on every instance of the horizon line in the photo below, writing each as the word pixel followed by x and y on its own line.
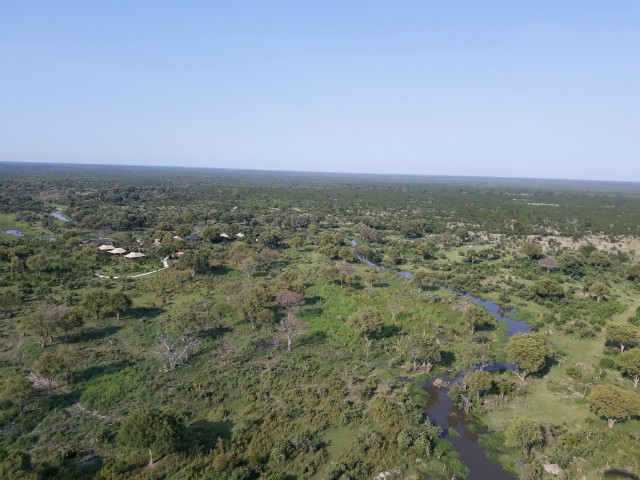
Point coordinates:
pixel 326 172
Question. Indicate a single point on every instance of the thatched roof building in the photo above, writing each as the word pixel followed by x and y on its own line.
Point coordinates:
pixel 117 251
pixel 106 248
pixel 134 255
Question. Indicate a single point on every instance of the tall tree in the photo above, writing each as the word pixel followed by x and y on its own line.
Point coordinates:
pixel 366 321
pixel 476 316
pixel 150 429
pixel 43 322
pixel 49 365
pixel 74 318
pixel 629 363
pixel 625 336
pixel 529 352
pixel 531 249
pixel 523 433
pixel 599 290
pixel 548 263
pixel 197 261
pixel 38 263
pixel 614 403
pixel 420 279
pixel 289 300
pixel 17 390
pixel 96 302
pixel 291 327
pixel 119 303
pixel 423 349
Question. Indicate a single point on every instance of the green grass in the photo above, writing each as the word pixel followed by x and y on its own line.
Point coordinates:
pixel 8 222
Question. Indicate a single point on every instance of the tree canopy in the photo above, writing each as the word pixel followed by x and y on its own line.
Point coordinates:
pixel 614 403
pixel 529 352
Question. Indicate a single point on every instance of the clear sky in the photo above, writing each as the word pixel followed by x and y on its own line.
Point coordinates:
pixel 519 88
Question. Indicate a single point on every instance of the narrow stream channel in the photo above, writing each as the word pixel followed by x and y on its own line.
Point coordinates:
pixel 444 413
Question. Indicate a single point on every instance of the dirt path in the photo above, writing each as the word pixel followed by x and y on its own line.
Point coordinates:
pixel 165 265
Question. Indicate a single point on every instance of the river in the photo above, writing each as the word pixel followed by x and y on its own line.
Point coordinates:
pixel 444 413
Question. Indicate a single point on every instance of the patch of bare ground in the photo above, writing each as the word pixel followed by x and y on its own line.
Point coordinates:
pixel 77 408
pixel 627 244
pixel 43 383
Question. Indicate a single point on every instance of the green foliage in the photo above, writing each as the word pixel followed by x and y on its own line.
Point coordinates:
pixel 17 390
pixel 476 316
pixel 614 403
pixel 366 321
pixel 152 429
pixel 529 351
pixel 523 433
pixel 547 288
pixel 629 363
pixel 259 411
pixel 625 336
pixel 423 349
pixel 531 249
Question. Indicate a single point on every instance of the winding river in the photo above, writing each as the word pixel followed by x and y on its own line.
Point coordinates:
pixel 444 413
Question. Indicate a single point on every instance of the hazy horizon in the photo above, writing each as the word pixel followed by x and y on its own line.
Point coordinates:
pixel 530 89
pixel 316 172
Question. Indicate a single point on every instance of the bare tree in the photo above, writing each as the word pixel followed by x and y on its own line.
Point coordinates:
pixel 394 309
pixel 225 352
pixel 175 349
pixel 289 300
pixel 249 266
pixel 549 263
pixel 291 327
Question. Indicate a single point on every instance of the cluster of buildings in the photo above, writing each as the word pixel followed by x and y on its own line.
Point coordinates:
pixel 121 252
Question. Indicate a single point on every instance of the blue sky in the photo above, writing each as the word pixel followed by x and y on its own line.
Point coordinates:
pixel 520 88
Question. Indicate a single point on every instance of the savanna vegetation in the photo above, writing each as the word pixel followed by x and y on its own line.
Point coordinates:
pixel 265 341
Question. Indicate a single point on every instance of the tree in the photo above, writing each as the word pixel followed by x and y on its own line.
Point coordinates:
pixel 175 348
pixel 523 433
pixel 476 316
pixel 17 390
pixel 72 319
pixel 254 304
pixel 154 430
pixel 366 321
pixel 16 465
pixel 547 287
pixel 629 364
pixel 425 250
pixel 38 263
pixel 529 352
pixel 49 365
pixel 290 300
pixel 16 264
pixel 599 290
pixel 423 349
pixel 67 359
pixel 96 302
pixel 548 263
pixel 633 271
pixel 420 279
pixel 197 261
pixel 291 327
pixel 119 302
pixel 622 334
pixel 43 322
pixel 394 309
pixel 614 403
pixel 531 249
pixel 249 266
pixel 467 390
pixel 475 356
